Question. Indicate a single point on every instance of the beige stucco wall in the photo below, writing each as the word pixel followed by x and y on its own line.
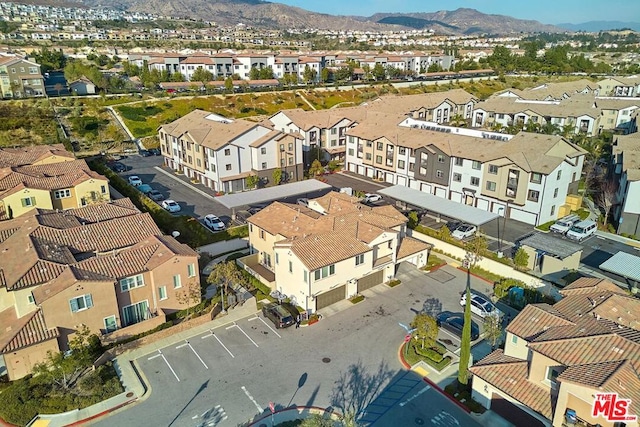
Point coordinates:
pixel 262 245
pixel 538 369
pixel 552 265
pixel 43 200
pixel 518 348
pixel 85 189
pixel 163 276
pixel 21 362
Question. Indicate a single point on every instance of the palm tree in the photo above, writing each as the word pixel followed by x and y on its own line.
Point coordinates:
pixel 550 129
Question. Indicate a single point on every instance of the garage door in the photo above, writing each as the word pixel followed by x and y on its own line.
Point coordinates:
pixel 402 180
pixel 482 204
pixel 352 167
pixel 522 216
pixel 391 178
pixel 331 297
pixel 360 170
pixel 513 413
pixel 371 280
pixel 441 192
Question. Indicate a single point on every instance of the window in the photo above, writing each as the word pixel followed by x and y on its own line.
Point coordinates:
pixel 360 259
pixel 277 258
pixel 177 281
pixel 262 234
pixel 103 189
pixel 536 177
pixel 227 151
pixel 559 175
pixel 459 161
pixel 475 181
pixel 351 152
pixel 110 324
pixel 491 186
pixel 28 201
pixel 553 210
pixel 440 158
pixel 290 146
pixel 493 169
pixel 290 267
pixel 401 164
pixel 380 146
pixel 367 156
pixel 305 276
pixel 533 195
pixel 135 313
pixel 264 165
pixel 30 299
pixel 379 159
pixel 457 177
pixel 423 170
pixel 263 150
pixel 323 272
pixel 132 282
pixel 62 194
pixel 290 161
pixel 162 293
pixel 552 374
pixel 334 131
pixel 81 303
pixel 402 151
pixel 555 193
pixel 439 173
pixel 514 339
pixel 227 167
pixel 191 270
pixel 476 165
pixel 282 147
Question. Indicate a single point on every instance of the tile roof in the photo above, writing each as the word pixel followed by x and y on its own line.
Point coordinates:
pixel 589 285
pixel 628 146
pixel 17 333
pixel 410 246
pixel 510 376
pixel 320 250
pixel 534 319
pixel 22 156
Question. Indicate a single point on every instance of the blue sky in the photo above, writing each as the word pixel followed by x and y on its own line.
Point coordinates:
pixel 545 11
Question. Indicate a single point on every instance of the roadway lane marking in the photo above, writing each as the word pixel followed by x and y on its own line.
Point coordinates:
pixel 415 395
pixel 265 324
pixel 187 343
pixel 252 399
pixel 212 334
pixel 165 361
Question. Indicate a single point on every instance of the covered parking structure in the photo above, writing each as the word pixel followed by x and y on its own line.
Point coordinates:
pixel 439 205
pixel 269 194
pixel 625 265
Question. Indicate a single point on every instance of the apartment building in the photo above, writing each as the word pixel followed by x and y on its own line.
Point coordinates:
pixel 554 91
pixel 559 358
pixel 106 266
pixel 620 86
pixel 526 177
pixel 626 168
pixel 46 177
pixel 221 153
pixel 20 78
pixel 329 251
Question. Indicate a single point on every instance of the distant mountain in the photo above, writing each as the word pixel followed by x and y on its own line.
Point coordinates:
pixel 595 26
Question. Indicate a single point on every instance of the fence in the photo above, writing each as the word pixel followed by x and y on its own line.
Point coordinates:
pixel 225 246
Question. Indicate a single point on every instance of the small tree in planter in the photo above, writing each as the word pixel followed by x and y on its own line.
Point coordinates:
pixel 252 181
pixel 426 329
pixel 493 330
pixel 521 259
pixel 316 168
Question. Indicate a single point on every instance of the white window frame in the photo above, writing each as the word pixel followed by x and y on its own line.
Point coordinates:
pixel 162 293
pixel 131 282
pixel 86 300
pixel 324 272
pixel 62 194
pixel 177 284
pixel 191 270
pixel 359 259
pixel 115 321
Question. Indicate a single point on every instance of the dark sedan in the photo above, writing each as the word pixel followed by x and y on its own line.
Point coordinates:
pixel 453 322
pixel 144 153
pixel 118 167
pixel 155 151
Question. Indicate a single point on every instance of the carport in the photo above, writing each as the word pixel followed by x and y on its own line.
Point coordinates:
pixel 625 265
pixel 439 205
pixel 233 201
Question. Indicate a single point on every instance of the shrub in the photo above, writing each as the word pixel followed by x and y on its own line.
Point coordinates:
pixel 356 299
pixel 394 282
pixel 546 226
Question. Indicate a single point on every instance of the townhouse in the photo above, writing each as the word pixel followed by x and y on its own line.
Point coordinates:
pixel 559 359
pixel 20 78
pixel 106 266
pixel 620 86
pixel 221 153
pixel 46 177
pixel 555 91
pixel 526 177
pixel 329 251
pixel 626 175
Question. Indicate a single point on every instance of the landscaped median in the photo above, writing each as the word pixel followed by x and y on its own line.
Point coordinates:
pixel 192 232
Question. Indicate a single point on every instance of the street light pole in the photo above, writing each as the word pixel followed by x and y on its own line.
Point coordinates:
pixel 499 237
pixel 222 300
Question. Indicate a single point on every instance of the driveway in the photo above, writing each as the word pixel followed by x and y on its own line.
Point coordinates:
pixel 230 374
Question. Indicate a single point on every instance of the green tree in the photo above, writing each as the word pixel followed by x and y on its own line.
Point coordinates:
pixel 492 329
pixel 413 220
pixel 521 259
pixel 252 181
pixel 266 73
pixel 228 85
pixel 277 176
pixel 324 75
pixel 434 68
pixel 50 59
pixel 225 274
pixel 426 329
pixel 379 73
pixel 254 74
pixel 309 74
pixel 190 295
pixel 316 168
pixel 201 75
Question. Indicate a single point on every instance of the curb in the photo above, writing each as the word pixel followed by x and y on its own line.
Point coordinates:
pixel 101 414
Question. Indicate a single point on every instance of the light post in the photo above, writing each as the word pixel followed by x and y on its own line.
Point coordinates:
pixel 222 300
pixel 500 209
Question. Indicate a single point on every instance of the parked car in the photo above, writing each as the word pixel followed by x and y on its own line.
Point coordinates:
pixel 155 195
pixel 144 153
pixel 214 223
pixel 481 306
pixel 371 198
pixel 453 322
pixel 453 225
pixel 564 224
pixel 155 151
pixel 464 231
pixel 144 188
pixel 278 314
pixel 303 202
pixel 582 230
pixel 118 167
pixel 135 180
pixel 255 209
pixel 170 205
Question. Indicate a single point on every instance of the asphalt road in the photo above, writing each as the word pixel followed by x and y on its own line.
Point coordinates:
pixel 348 358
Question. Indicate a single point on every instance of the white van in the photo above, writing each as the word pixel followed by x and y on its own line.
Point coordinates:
pixel 564 224
pixel 582 230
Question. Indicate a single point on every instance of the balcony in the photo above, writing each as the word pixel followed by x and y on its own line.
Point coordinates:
pixel 382 261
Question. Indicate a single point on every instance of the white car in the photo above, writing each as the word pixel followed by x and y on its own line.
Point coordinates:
pixel 135 180
pixel 371 198
pixel 170 205
pixel 481 306
pixel 214 223
pixel 464 231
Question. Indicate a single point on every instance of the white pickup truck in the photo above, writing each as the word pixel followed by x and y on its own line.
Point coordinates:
pixel 564 224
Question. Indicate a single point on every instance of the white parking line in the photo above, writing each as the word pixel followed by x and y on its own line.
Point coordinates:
pixel 165 361
pixel 415 395
pixel 252 399
pixel 248 337
pixel 187 343
pixel 265 324
pixel 212 334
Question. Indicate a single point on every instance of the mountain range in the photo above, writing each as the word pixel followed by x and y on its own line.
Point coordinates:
pixel 594 26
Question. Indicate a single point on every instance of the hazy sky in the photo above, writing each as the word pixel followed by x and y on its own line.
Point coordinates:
pixel 545 11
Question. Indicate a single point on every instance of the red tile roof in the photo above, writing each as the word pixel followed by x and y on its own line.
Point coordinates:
pixel 534 319
pixel 17 333
pixel 28 155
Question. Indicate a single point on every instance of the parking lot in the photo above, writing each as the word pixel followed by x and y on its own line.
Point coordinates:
pixel 350 357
